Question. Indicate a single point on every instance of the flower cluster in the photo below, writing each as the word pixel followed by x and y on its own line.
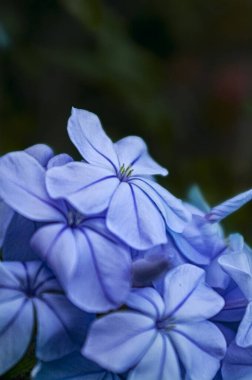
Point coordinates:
pixel 107 275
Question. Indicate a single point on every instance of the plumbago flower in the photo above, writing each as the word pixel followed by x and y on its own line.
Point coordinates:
pixel 32 302
pixel 92 266
pixel 117 178
pixel 237 364
pixel 239 266
pixel 160 331
pixel 72 367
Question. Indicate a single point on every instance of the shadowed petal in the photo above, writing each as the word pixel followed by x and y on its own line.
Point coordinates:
pixel 131 336
pixel 61 327
pixel 132 151
pixel 237 363
pixel 72 367
pixel 6 214
pixel 86 187
pixel 87 134
pixel 133 217
pixel 22 186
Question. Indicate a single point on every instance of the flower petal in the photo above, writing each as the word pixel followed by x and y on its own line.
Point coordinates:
pixel 56 244
pixel 133 217
pixel 59 160
pixel 174 212
pixel 228 207
pixel 41 152
pixel 130 336
pixel 87 134
pixel 237 363
pixel 6 214
pixel 16 325
pixel 200 346
pixel 160 362
pixel 17 241
pixel 22 187
pixel 239 267
pixel 187 297
pixel 59 324
pixel 146 301
pixel 102 278
pixel 132 151
pixel 88 188
pixel 72 367
pixel 244 334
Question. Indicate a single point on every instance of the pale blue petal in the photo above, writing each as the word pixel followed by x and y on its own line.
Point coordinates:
pixel 159 363
pixel 228 207
pixel 86 133
pixel 237 364
pixel 134 218
pixel 130 336
pixel 175 213
pixel 16 326
pixel 56 245
pixel 200 347
pixel 102 278
pixel 59 160
pixel 239 267
pixel 41 152
pixel 132 152
pixel 88 188
pixel 244 334
pixel 187 297
pixel 22 187
pixel 146 301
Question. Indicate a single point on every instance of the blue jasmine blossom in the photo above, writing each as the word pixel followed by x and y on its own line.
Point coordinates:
pixel 117 178
pixel 239 266
pixel 92 266
pixel 71 367
pixel 31 297
pixel 159 332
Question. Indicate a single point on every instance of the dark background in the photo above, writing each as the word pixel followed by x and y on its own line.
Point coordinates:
pixel 176 72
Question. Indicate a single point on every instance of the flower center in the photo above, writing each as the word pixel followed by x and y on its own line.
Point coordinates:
pixel 74 218
pixel 166 325
pixel 125 172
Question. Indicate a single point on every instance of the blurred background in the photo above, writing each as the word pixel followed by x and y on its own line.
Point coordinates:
pixel 176 72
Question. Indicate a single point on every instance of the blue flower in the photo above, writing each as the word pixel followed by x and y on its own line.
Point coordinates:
pixel 71 367
pixel 159 332
pixel 92 266
pixel 118 178
pixel 239 266
pixel 32 301
pixel 237 364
